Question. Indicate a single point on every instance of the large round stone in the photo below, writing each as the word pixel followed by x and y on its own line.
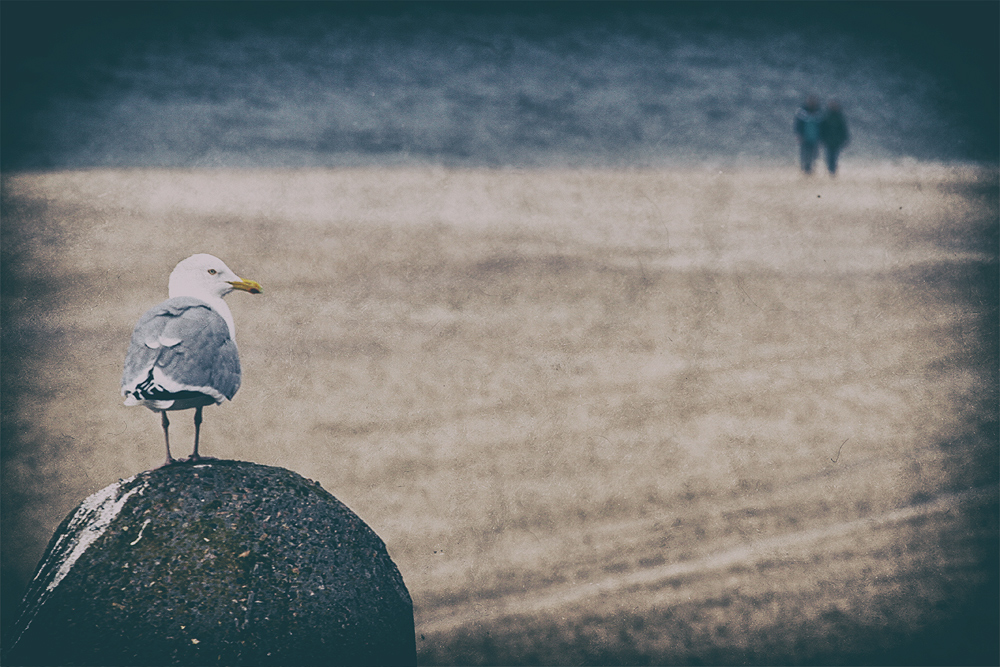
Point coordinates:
pixel 215 563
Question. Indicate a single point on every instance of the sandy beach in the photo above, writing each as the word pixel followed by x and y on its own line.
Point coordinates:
pixel 650 415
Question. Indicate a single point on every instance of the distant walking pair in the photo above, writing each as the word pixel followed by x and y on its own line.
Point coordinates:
pixel 813 127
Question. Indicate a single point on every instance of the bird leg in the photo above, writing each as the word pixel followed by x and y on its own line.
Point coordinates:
pixel 166 436
pixel 197 432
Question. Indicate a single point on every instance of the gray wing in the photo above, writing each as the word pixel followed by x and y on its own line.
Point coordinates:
pixel 189 344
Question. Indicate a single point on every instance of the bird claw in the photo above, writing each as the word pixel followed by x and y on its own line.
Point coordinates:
pixel 194 458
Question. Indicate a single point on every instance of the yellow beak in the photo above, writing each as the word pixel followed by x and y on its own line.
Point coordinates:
pixel 251 286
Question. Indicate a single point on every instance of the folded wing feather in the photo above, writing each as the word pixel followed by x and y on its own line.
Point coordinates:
pixel 184 346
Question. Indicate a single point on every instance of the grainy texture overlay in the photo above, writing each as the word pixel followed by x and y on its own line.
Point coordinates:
pixel 612 416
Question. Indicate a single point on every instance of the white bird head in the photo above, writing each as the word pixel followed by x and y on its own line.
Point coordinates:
pixel 208 278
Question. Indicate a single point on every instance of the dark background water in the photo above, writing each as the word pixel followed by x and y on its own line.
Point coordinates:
pixel 247 84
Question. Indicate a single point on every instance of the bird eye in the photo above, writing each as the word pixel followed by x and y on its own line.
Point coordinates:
pixel 212 272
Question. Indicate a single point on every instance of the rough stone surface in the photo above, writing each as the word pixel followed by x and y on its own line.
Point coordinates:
pixel 215 563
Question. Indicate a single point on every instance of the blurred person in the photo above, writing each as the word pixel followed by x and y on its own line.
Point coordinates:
pixel 807 124
pixel 833 134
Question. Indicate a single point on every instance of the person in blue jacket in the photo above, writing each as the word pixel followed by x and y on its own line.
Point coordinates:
pixel 833 133
pixel 807 130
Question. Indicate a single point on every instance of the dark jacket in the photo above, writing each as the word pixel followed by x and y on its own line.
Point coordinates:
pixel 807 125
pixel 833 129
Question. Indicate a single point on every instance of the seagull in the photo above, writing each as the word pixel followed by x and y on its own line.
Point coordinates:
pixel 183 352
